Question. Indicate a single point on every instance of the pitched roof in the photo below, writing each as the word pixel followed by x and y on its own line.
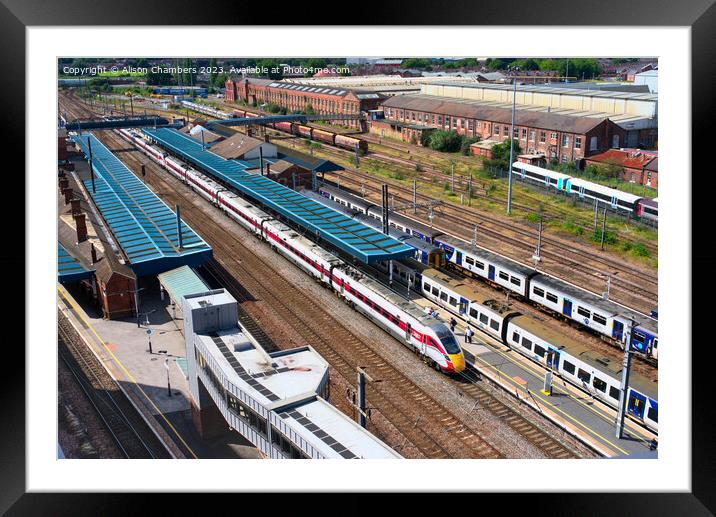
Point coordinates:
pixel 236 146
pixel 281 166
pixel 457 108
pixel 109 265
pixel 631 159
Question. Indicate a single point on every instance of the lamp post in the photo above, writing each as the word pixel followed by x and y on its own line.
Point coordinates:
pixel 169 386
pixel 511 143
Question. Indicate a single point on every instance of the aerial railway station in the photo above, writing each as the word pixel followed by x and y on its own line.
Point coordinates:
pixel 278 400
pixel 151 236
pixel 356 239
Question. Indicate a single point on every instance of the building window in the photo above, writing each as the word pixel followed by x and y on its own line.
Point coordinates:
pixel 532 135
pixel 542 137
pixel 505 131
pixel 565 141
pixel 516 133
pixel 615 141
pixel 593 143
pixel 578 142
pixel 524 134
pixel 496 130
pixel 553 136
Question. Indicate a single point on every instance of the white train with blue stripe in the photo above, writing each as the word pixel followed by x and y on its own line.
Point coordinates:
pixel 636 206
pixel 606 318
pixel 525 334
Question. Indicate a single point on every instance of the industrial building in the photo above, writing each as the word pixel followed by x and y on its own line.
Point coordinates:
pixel 558 137
pixel 296 97
pixel 635 112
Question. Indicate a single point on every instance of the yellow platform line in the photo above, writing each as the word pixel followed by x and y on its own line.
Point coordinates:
pixel 535 370
pixel 126 372
pixel 555 408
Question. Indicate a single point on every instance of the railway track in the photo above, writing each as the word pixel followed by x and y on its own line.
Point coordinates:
pixel 129 431
pixel 397 398
pixel 557 258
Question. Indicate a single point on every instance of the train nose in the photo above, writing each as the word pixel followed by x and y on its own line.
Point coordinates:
pixel 458 362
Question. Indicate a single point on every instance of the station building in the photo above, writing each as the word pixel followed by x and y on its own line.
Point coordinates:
pixel 277 401
pixel 298 97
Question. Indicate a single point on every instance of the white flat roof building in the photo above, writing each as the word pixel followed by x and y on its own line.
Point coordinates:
pixel 277 400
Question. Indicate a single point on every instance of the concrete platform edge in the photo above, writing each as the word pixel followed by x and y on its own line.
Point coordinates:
pixel 157 429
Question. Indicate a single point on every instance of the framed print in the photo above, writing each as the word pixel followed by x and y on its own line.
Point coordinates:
pixel 430 246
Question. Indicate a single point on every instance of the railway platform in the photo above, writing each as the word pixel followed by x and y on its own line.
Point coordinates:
pixel 123 348
pixel 573 410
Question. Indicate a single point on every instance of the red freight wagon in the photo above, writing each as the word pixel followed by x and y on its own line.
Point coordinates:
pixel 323 136
pixel 283 126
pixel 348 142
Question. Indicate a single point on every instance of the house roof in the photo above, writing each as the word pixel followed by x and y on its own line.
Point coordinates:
pixel 109 265
pixel 280 166
pixel 630 159
pixel 528 118
pixel 236 146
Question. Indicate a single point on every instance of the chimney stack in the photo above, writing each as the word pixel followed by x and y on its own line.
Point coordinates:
pixel 93 251
pixel 81 227
pixel 75 205
pixel 67 192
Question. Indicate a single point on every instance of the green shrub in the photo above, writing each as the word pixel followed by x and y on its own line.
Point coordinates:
pixel 640 250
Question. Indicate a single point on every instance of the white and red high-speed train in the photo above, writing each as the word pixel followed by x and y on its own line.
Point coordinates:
pixel 427 336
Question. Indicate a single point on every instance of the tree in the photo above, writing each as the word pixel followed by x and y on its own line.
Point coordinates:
pixel 466 143
pixel 159 78
pixel 445 141
pixel 501 153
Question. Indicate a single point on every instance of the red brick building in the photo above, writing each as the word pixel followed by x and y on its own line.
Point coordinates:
pixel 638 166
pixel 116 283
pixel 557 137
pixel 298 97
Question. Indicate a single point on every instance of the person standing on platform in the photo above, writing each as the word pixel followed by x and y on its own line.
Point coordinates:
pixel 468 335
pixel 453 324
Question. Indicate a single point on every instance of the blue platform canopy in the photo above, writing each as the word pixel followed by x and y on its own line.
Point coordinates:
pixel 358 240
pixel 144 226
pixel 69 269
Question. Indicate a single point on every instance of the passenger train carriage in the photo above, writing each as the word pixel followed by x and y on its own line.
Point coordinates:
pixel 527 335
pixel 428 337
pixel 618 200
pixel 605 317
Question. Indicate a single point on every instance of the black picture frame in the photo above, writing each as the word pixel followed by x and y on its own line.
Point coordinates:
pixel 700 15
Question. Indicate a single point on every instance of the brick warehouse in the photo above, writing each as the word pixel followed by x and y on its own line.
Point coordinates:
pixel 297 97
pixel 557 137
